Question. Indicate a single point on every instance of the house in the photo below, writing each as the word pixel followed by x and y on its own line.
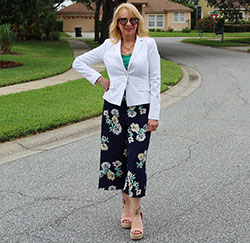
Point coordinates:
pixel 77 15
pixel 204 10
pixel 158 14
pixel 164 14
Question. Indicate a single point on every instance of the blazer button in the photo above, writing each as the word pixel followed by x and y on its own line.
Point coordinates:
pixel 126 74
pixel 127 83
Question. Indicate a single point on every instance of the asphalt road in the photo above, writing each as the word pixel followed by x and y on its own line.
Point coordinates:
pixel 198 170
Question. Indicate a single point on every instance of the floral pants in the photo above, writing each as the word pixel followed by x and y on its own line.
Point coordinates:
pixel 124 146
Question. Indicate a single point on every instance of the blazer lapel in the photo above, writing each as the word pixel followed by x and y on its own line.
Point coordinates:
pixel 137 48
pixel 117 47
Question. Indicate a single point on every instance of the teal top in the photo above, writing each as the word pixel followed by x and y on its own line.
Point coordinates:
pixel 126 60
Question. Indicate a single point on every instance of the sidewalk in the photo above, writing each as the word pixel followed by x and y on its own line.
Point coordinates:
pixel 78 47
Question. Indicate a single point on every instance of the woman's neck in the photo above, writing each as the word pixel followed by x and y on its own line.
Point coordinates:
pixel 128 39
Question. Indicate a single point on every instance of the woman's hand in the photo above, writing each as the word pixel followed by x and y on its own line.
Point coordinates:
pixel 152 125
pixel 104 83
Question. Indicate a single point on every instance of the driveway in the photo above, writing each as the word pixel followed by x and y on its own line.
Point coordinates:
pixel 198 169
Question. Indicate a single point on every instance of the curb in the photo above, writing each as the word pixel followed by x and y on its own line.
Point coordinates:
pixel 23 147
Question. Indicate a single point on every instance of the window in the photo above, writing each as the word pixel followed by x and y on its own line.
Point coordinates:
pixel 151 21
pixel 182 17
pixel 179 17
pixel 159 20
pixel 155 21
pixel 176 17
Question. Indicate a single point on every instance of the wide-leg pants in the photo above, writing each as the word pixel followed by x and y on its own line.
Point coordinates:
pixel 124 146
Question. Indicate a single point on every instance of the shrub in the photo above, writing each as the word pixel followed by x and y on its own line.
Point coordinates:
pixel 237 27
pixel 7 38
pixel 152 30
pixel 186 30
pixel 205 24
pixel 170 29
pixel 54 36
pixel 19 30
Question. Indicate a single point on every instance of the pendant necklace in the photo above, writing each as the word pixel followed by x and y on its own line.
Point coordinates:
pixel 128 49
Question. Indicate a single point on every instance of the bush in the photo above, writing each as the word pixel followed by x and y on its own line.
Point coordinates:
pixel 19 30
pixel 7 38
pixel 205 24
pixel 54 36
pixel 152 30
pixel 170 29
pixel 186 30
pixel 237 27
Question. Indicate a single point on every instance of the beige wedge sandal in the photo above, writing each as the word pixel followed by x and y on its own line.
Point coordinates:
pixel 125 222
pixel 137 234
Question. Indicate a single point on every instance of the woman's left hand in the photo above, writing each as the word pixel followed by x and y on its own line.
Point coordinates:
pixel 152 125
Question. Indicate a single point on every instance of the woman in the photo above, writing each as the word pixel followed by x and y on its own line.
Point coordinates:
pixel 131 108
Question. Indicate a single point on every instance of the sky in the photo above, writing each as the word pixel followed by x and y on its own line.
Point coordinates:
pixel 67 3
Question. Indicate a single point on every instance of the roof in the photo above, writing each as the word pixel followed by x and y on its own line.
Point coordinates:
pixel 161 6
pixel 76 8
pixel 138 1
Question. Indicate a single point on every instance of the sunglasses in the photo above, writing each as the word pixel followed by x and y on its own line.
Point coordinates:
pixel 124 21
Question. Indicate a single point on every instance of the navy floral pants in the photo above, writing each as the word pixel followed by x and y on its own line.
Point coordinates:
pixel 124 146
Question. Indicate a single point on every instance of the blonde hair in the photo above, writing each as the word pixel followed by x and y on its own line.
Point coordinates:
pixel 114 31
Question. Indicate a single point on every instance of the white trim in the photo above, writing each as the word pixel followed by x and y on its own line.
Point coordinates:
pixel 179 17
pixel 155 21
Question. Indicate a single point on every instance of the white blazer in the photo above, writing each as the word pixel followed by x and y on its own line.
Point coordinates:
pixel 142 79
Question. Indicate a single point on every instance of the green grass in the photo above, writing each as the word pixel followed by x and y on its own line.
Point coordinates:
pixel 91 43
pixel 218 43
pixel 40 60
pixel 194 33
pixel 34 111
pixel 63 34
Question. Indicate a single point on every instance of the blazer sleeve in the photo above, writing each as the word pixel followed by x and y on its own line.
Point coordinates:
pixel 154 80
pixel 83 62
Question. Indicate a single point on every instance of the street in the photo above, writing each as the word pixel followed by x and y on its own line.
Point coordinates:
pixel 198 169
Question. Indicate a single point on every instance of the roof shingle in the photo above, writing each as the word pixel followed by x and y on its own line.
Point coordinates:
pixel 162 6
pixel 76 8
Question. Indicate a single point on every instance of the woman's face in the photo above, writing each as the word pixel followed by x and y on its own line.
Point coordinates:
pixel 127 28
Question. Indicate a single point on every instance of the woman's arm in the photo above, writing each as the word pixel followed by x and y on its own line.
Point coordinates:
pixel 83 62
pixel 155 81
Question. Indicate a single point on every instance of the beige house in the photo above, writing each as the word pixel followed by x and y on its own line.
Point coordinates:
pixel 77 15
pixel 164 14
pixel 158 14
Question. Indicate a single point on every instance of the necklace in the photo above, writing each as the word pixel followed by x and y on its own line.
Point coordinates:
pixel 128 48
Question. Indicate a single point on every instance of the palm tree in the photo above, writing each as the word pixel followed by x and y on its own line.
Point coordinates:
pixel 7 38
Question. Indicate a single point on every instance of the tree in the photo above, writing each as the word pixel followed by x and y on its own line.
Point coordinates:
pixel 35 17
pixel 230 9
pixel 7 38
pixel 188 3
pixel 108 11
pixel 89 4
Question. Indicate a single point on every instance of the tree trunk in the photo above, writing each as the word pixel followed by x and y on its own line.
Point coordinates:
pixel 106 19
pixel 108 10
pixel 97 13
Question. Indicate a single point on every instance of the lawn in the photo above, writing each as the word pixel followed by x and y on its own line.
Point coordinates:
pixel 195 33
pixel 217 43
pixel 34 111
pixel 40 60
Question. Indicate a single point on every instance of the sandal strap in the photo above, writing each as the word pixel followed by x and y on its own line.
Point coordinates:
pixel 139 212
pixel 123 201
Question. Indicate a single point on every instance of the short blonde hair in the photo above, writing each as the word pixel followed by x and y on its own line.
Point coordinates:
pixel 114 31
